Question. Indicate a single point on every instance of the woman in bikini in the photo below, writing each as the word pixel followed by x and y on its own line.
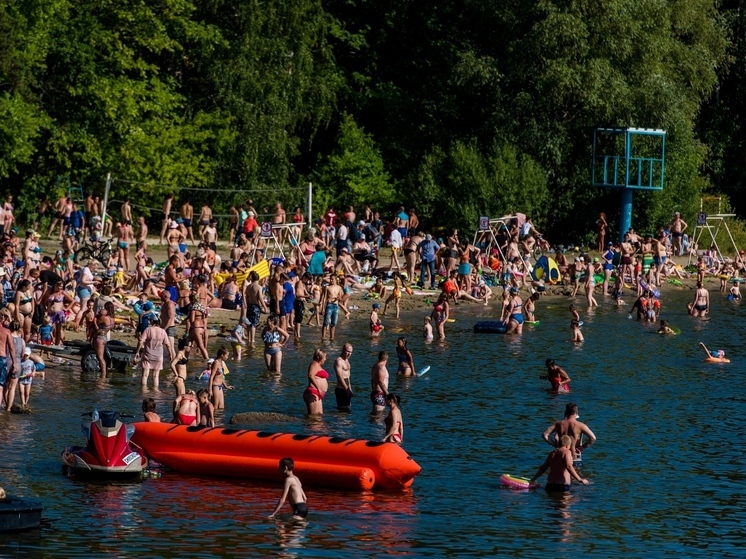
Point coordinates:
pixel 305 249
pixel 274 338
pixel 197 324
pixel 228 294
pixel 186 409
pixel 56 300
pixel 440 314
pixel 394 421
pixel 104 323
pixel 701 303
pixel 410 254
pixel 217 379
pixel 318 384
pixel 24 307
pixel 406 361
pixel 179 365
pixel 514 312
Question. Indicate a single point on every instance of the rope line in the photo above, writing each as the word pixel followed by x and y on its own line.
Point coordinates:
pixel 202 189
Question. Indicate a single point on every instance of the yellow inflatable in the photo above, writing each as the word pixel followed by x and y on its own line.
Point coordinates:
pixel 261 268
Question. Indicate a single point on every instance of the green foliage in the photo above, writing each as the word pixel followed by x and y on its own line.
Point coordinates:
pixel 457 108
pixel 467 183
pixel 354 171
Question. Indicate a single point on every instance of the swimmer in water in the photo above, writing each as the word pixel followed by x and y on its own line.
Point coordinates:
pixel 665 328
pixel 557 376
pixel 577 335
pixel 375 322
pixel 406 361
pixel 717 357
pixel 571 427
pixel 574 315
pixel 735 293
pixel 293 491
pixel 427 330
pixel 561 470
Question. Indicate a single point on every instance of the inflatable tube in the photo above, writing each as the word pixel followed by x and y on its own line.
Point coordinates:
pixel 532 322
pixel 322 461
pixel 490 327
pixel 516 482
pixel 674 281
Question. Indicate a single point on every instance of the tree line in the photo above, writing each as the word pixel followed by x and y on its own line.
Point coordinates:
pixel 457 108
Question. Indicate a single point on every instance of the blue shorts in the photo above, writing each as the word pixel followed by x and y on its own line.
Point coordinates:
pixel 402 231
pixel 3 370
pixel 187 223
pixel 173 292
pixel 331 314
pixel 83 293
pixel 659 260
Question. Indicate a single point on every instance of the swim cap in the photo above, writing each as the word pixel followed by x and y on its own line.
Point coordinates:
pixel 720 353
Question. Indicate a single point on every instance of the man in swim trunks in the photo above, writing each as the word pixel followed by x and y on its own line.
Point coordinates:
pixel 330 296
pixel 7 359
pixel 677 226
pixel 187 214
pixel 293 491
pixel 561 470
pixel 254 303
pixel 343 390
pixel 571 427
pixel 379 382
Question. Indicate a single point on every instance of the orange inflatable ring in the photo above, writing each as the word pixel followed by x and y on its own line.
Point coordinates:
pixel 321 461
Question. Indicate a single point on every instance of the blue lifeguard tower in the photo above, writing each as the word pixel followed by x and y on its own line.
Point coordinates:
pixel 629 159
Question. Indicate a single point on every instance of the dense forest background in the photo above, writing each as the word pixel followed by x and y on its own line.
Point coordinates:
pixel 455 107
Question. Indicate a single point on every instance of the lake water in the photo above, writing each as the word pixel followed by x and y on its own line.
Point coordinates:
pixel 667 470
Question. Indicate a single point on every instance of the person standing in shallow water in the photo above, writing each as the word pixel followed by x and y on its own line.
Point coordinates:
pixel 343 390
pixel 561 470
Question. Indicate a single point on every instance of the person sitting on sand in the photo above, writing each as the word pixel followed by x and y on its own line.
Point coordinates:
pixel 717 357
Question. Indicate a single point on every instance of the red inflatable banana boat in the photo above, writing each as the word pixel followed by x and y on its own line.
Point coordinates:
pixel 324 461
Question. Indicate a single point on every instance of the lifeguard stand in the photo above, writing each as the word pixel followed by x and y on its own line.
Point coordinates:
pixel 629 159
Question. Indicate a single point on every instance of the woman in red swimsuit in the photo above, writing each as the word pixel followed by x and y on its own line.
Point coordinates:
pixel 318 384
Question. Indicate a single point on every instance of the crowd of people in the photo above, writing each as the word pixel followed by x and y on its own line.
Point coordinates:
pixel 282 277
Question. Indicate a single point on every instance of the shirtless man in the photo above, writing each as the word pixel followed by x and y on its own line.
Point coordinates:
pixel 276 292
pixel 187 214
pixel 210 234
pixel 126 211
pixel 166 216
pixel 677 226
pixel 293 491
pixel 701 304
pixel 57 219
pixel 571 427
pixel 168 318
pixel 561 470
pixel 123 244
pixel 659 259
pixel 205 215
pixel 142 232
pixel 279 219
pixel 7 359
pixel 628 250
pixel 330 296
pixel 343 390
pixel 379 382
pixel 171 278
pixel 89 206
pixel 254 304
